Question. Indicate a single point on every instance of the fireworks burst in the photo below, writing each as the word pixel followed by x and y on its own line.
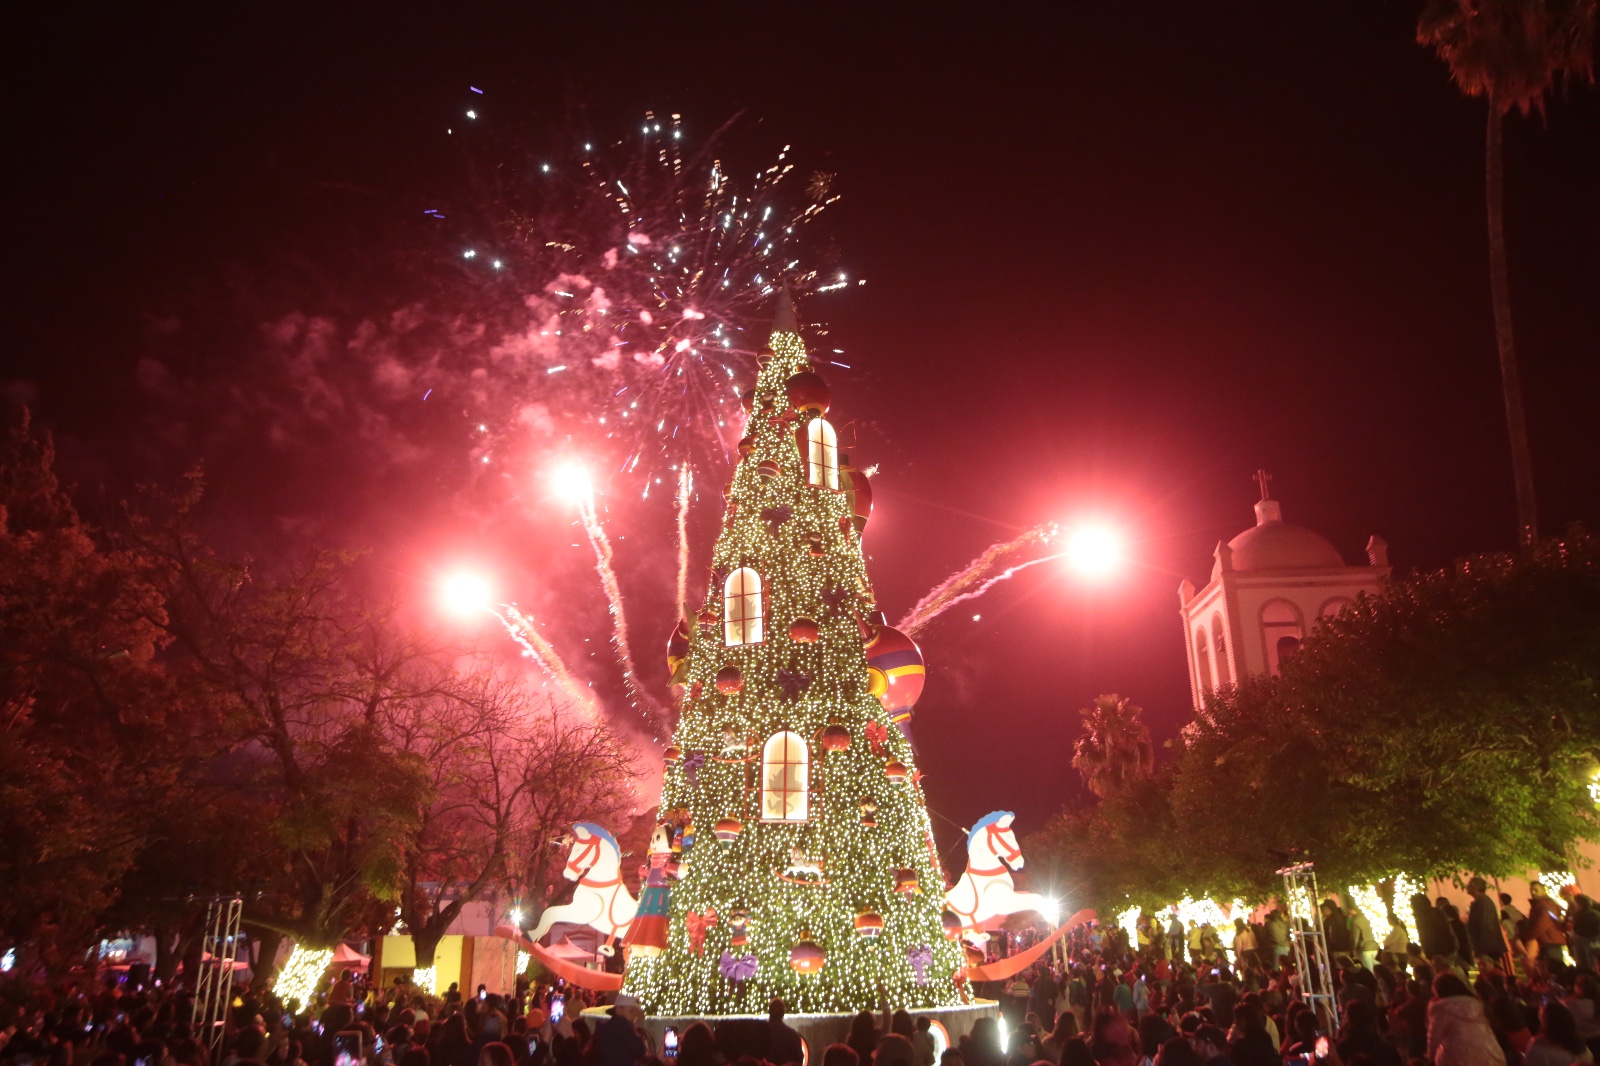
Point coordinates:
pixel 973 580
pixel 641 699
pixel 643 274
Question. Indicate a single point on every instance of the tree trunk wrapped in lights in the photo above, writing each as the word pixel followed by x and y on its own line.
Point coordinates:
pixel 802 856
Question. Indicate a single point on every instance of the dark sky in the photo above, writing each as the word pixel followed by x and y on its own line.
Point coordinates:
pixel 1119 256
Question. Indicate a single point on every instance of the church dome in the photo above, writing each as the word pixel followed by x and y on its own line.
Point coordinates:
pixel 1273 544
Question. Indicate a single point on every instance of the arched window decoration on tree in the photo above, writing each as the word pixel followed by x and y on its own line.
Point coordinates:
pixel 785 778
pixel 1282 631
pixel 822 455
pixel 741 608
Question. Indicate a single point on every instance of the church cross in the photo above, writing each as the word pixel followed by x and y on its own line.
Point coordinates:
pixel 1261 478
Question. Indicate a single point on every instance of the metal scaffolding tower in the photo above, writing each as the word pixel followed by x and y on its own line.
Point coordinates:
pixel 213 990
pixel 1310 942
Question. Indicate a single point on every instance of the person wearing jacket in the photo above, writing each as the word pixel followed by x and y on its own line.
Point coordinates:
pixel 1483 922
pixel 1433 929
pixel 1458 1028
pixel 1362 941
pixel 1545 922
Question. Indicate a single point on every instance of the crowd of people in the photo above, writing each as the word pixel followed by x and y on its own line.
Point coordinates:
pixel 1497 988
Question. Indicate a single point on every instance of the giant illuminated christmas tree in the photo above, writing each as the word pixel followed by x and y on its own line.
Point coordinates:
pixel 795 858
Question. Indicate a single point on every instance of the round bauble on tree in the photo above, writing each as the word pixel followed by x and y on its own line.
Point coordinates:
pixel 804 630
pixel 807 957
pixel 951 923
pixel 807 393
pixel 730 681
pixel 835 737
pixel 905 882
pixel 747 444
pixel 672 756
pixel 727 830
pixel 897 773
pixel 768 469
pixel 707 620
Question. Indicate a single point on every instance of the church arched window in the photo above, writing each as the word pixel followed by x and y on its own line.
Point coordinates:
pixel 1281 630
pixel 822 455
pixel 785 778
pixel 741 607
pixel 1219 645
pixel 1203 659
pixel 1334 606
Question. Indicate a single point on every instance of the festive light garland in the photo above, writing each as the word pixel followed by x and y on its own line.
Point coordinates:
pixel 1556 880
pixel 1404 889
pixel 300 975
pixel 1366 899
pixel 427 979
pixel 1129 921
pixel 865 820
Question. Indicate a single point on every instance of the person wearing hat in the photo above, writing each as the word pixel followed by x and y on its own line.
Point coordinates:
pixel 617 1041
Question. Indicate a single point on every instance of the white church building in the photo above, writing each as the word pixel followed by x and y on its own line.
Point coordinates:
pixel 1270 586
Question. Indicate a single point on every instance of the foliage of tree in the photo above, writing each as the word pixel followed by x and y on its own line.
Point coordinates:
pixel 174 723
pixel 1510 52
pixel 1450 723
pixel 84 712
pixel 1115 748
pixel 507 772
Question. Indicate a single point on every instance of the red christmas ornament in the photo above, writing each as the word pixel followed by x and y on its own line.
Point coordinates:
pixel 897 773
pixel 708 619
pixel 730 681
pixel 807 393
pixel 747 444
pixel 952 924
pixel 727 830
pixel 835 737
pixel 672 755
pixel 803 630
pixel 905 882
pixel 768 469
pixel 858 491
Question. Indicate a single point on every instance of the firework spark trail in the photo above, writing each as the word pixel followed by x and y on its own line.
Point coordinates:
pixel 642 701
pixel 685 489
pixel 989 584
pixel 536 647
pixel 957 586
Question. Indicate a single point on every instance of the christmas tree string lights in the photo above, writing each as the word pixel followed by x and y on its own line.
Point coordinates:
pixel 802 863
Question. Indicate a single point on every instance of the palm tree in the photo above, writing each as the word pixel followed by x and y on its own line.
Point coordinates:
pixel 1510 52
pixel 1115 747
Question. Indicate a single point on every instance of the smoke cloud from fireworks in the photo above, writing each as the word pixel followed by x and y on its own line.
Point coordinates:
pixel 973 580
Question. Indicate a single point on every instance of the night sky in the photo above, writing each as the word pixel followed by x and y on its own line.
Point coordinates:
pixel 1118 257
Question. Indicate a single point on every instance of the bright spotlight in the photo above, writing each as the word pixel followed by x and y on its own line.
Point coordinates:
pixel 572 483
pixel 465 593
pixel 1094 550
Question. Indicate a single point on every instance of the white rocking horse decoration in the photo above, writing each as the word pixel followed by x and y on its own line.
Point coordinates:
pixel 601 900
pixel 986 894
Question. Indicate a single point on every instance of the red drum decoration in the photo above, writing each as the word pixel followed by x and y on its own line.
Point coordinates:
pixel 807 393
pixel 807 957
pixel 869 926
pixel 835 737
pixel 804 630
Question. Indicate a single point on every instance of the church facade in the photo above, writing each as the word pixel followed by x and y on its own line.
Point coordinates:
pixel 1270 586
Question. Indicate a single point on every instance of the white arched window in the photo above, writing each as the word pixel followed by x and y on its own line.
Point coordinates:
pixel 822 455
pixel 1281 630
pixel 785 778
pixel 1219 644
pixel 1202 649
pixel 741 607
pixel 1334 606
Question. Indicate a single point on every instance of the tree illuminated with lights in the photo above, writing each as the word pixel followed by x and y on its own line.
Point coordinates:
pixel 802 849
